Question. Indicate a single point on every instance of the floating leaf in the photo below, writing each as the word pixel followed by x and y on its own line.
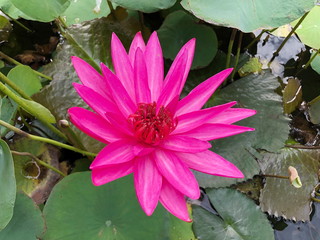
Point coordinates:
pixel 248 15
pixel 8 8
pixel 239 219
pixel 178 28
pixel 309 30
pixel 314 110
pixel 25 78
pixel 315 64
pixel 7 185
pixel 33 179
pixel 83 10
pixel 110 211
pixel 92 43
pixel 252 66
pixel 146 6
pixel 27 222
pixel 278 197
pixel 292 95
pixel 272 129
pixel 46 10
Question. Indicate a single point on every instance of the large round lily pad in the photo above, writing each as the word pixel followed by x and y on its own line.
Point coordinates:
pixel 239 218
pixel 77 209
pixel 27 222
pixel 146 6
pixel 248 15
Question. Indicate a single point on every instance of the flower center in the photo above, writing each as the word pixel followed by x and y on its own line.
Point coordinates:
pixel 151 126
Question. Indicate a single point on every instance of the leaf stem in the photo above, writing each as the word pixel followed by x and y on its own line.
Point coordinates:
pixel 40 162
pixel 46 140
pixel 232 37
pixel 17 22
pixel 237 55
pixel 302 146
pixel 315 199
pixel 11 60
pixel 24 105
pixel 311 59
pixel 276 53
pixel 15 87
pixel 112 12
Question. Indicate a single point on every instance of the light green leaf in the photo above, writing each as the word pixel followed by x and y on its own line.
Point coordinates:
pixel 252 66
pixel 315 64
pixel 7 185
pixel 146 6
pixel 240 218
pixel 292 95
pixel 25 78
pixel 309 29
pixel 7 112
pixel 178 28
pixel 248 15
pixel 278 197
pixel 27 222
pixel 42 10
pixel 108 212
pixel 84 10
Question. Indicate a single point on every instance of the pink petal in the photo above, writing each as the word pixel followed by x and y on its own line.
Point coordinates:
pixel 174 201
pixel 97 102
pixel 155 66
pixel 177 173
pixel 93 125
pixel 147 181
pixel 90 77
pixel 120 123
pixel 119 93
pixel 232 115
pixel 122 65
pixel 137 42
pixel 109 173
pixel 189 121
pixel 198 96
pixel 184 144
pixel 172 88
pixel 141 79
pixel 114 153
pixel 210 163
pixel 214 131
pixel 189 47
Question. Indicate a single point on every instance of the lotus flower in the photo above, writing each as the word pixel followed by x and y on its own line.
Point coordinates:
pixel 148 130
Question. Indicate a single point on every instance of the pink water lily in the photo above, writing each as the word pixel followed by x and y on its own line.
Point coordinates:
pixel 148 130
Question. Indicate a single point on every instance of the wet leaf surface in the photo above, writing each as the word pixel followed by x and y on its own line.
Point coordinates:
pixel 278 197
pixel 239 218
pixel 110 211
pixel 27 222
pixel 292 95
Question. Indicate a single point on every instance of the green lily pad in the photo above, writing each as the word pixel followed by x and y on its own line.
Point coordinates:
pixel 309 29
pixel 7 185
pixel 110 212
pixel 146 6
pixel 278 197
pixel 272 129
pixel 248 15
pixel 33 179
pixel 315 64
pixel 25 78
pixel 240 218
pixel 314 111
pixel 27 222
pixel 83 10
pixel 292 95
pixel 8 110
pixel 91 41
pixel 178 28
pixel 8 8
pixel 252 66
pixel 42 10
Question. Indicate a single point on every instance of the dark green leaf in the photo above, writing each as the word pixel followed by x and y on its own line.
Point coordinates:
pixel 76 209
pixel 27 222
pixel 240 218
pixel 278 197
pixel 315 64
pixel 178 28
pixel 7 185
pixel 7 112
